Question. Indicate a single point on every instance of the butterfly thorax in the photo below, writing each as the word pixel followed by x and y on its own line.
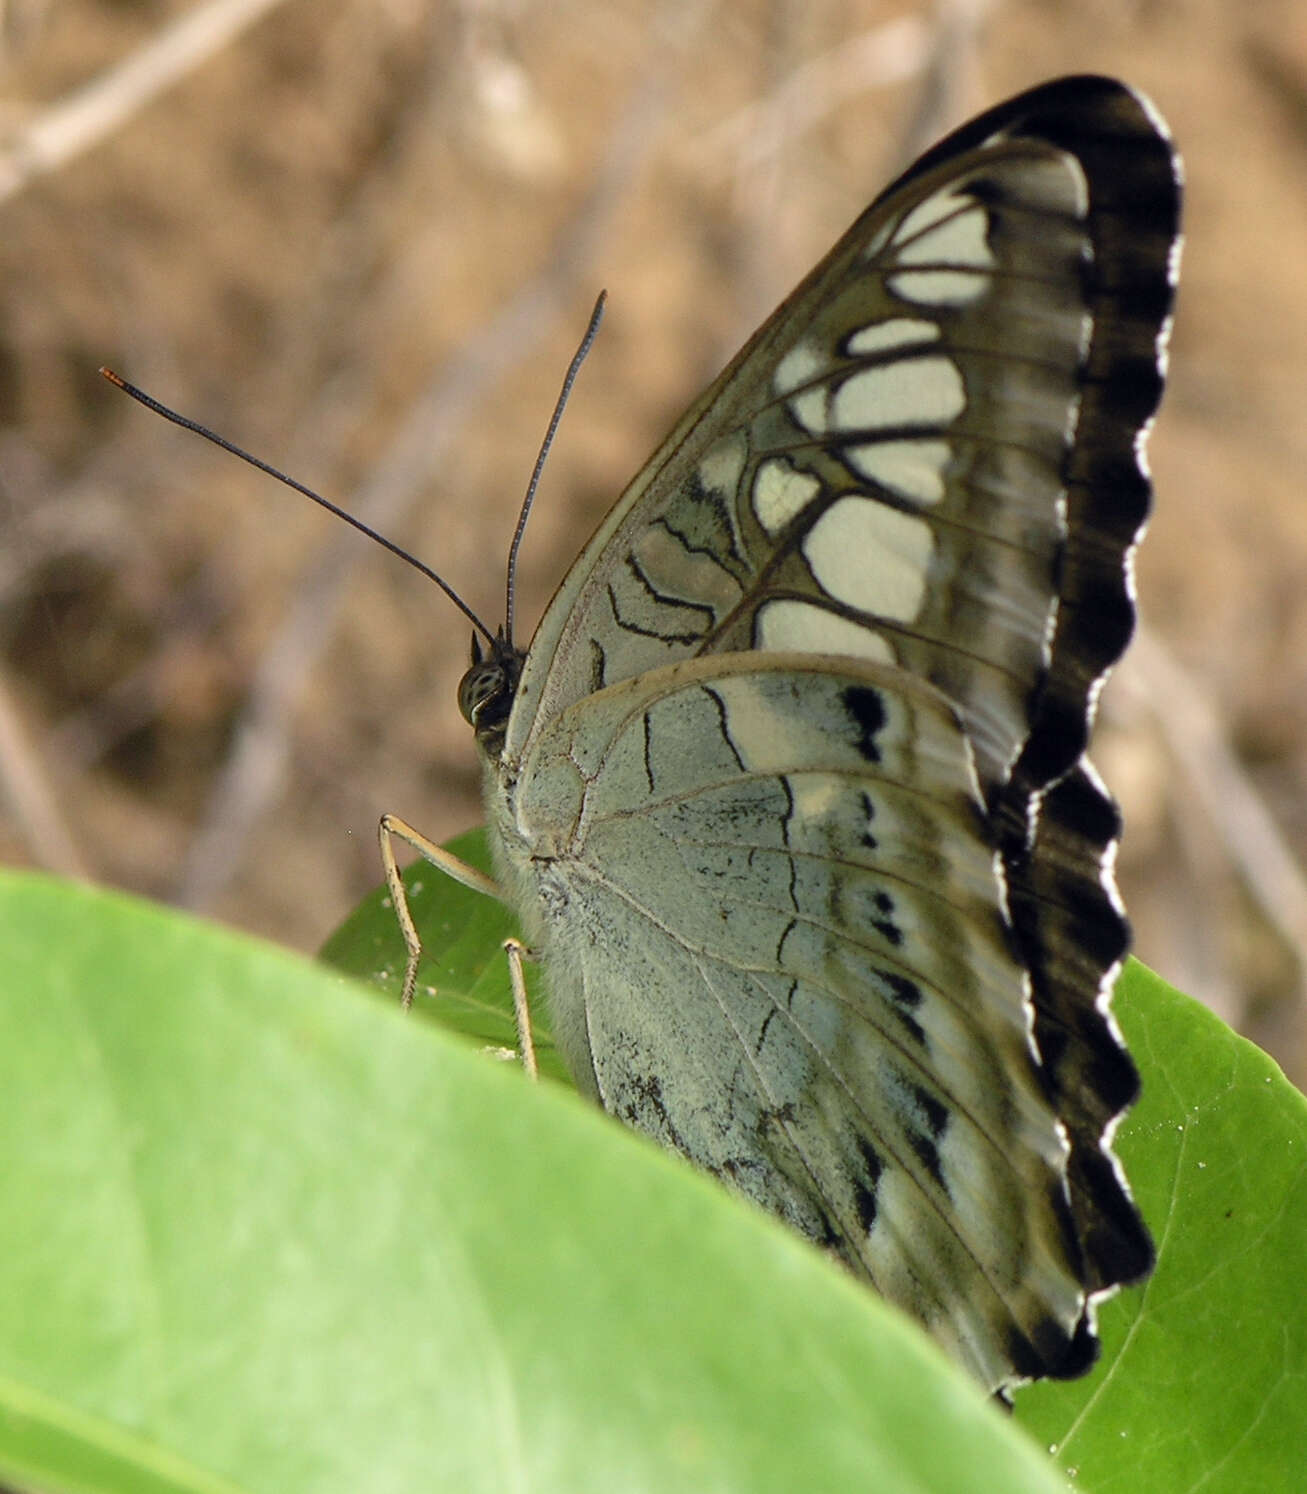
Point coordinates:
pixel 486 692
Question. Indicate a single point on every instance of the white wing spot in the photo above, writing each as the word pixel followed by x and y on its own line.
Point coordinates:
pixel 898 332
pixel 872 557
pixel 910 469
pixel 800 365
pixel 780 492
pixel 721 465
pixel 940 287
pixel 809 409
pixel 959 240
pixel 913 391
pixel 799 627
pixel 932 210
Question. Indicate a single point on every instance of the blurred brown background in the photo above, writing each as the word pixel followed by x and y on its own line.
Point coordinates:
pixel 362 236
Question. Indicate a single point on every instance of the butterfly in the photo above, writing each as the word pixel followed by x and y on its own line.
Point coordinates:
pixel 789 790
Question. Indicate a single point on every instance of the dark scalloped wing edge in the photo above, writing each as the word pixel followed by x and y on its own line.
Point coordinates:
pixel 1055 824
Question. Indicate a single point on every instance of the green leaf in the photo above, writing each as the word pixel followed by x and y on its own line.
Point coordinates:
pixel 263 1232
pixel 1203 1381
pixel 1203 1377
pixel 463 975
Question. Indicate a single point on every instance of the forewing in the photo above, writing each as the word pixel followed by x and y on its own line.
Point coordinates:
pixel 928 455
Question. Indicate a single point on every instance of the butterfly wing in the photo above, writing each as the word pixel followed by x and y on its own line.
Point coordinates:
pixel 927 455
pixel 789 963
pixel 927 460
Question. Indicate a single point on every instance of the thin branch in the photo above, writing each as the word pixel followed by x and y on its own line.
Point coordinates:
pixel 255 770
pixel 938 50
pixel 1197 742
pixel 943 98
pixel 751 143
pixel 87 116
pixel 30 794
pixel 889 53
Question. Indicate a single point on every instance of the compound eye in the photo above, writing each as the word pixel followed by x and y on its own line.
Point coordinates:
pixel 482 683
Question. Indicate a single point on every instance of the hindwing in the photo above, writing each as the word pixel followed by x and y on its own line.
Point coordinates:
pixel 791 965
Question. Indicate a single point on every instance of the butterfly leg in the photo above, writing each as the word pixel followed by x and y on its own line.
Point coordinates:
pixel 518 954
pixel 392 828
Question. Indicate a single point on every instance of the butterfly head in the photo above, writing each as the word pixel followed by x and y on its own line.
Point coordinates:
pixel 486 691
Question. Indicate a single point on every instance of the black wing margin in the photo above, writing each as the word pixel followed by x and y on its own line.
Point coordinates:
pixel 1056 826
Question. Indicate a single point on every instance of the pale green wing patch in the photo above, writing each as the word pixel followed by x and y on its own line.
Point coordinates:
pixel 789 964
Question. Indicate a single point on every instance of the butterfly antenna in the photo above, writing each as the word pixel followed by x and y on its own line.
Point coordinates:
pixel 574 368
pixel 203 430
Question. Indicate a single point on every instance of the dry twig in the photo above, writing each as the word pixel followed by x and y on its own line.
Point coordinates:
pixel 32 797
pixel 1198 744
pixel 255 769
pixel 93 112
